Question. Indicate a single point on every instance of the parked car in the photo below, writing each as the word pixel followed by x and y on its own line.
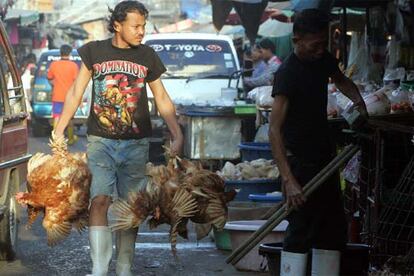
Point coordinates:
pixel 42 95
pixel 198 65
pixel 13 146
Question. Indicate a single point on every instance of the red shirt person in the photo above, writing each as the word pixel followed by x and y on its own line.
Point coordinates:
pixel 61 74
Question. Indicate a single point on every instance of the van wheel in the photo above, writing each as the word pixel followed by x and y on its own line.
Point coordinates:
pixel 9 227
pixel 40 128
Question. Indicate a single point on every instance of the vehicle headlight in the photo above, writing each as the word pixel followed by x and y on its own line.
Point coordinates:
pixel 41 96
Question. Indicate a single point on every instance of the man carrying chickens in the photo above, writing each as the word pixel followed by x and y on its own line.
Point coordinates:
pixel 301 147
pixel 118 147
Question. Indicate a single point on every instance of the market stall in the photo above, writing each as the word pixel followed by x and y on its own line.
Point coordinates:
pixel 377 181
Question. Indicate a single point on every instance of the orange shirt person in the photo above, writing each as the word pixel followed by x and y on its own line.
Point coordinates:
pixel 61 74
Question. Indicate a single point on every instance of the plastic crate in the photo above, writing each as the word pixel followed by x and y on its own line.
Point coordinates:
pixel 245 109
pixel 247 187
pixel 252 151
pixel 266 198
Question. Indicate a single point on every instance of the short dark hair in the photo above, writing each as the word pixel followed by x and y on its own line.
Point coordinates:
pixel 266 43
pixel 65 50
pixel 119 13
pixel 310 21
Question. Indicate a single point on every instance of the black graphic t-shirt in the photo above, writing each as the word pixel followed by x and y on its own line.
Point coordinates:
pixel 119 107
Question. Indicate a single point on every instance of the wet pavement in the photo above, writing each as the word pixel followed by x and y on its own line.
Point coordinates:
pixel 152 255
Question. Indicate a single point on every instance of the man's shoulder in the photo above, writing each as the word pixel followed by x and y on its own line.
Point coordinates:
pixel 94 44
pixel 98 42
pixel 146 49
pixel 289 65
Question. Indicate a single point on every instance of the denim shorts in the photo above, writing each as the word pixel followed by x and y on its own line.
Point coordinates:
pixel 57 108
pixel 117 163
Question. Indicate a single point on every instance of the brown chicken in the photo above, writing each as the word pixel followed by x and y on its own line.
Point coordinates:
pixel 207 188
pixel 163 200
pixel 58 186
pixel 175 193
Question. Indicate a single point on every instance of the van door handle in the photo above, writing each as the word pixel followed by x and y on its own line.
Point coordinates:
pixel 15 118
pixel 15 88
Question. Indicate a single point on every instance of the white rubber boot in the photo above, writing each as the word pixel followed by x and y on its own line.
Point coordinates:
pixel 325 262
pixel 293 264
pixel 100 239
pixel 125 248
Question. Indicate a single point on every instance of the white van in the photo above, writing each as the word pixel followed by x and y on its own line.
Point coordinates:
pixel 198 66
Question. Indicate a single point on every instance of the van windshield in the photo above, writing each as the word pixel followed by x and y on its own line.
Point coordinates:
pixel 194 57
pixel 46 59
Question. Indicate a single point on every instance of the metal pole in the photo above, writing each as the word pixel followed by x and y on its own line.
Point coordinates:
pixel 281 213
pixel 344 42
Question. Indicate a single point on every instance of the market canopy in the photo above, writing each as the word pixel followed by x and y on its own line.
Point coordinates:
pixel 274 28
pixel 4 6
pixel 250 12
pixel 24 17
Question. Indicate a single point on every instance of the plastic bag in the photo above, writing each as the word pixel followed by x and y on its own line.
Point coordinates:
pixel 262 95
pixel 400 102
pixel 351 171
pixel 332 108
pixel 377 104
pixel 342 102
pixel 410 75
pixel 408 87
pixel 392 59
pixel 262 134
pixel 362 67
pixel 394 75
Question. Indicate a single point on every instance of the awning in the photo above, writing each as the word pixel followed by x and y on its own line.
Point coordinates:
pixel 24 17
pixel 275 28
pixel 177 27
pixel 72 30
pixel 249 11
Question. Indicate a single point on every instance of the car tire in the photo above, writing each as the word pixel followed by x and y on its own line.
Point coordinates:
pixel 9 226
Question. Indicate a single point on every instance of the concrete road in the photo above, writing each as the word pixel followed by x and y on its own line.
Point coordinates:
pixel 152 255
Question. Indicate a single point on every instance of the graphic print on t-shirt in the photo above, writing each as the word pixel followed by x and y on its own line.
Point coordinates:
pixel 118 85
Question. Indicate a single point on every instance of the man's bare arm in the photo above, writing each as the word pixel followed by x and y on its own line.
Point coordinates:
pixel 73 99
pixel 291 188
pixel 167 111
pixel 349 89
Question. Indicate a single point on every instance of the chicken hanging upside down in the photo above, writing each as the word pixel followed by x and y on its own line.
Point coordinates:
pixel 58 186
pixel 176 193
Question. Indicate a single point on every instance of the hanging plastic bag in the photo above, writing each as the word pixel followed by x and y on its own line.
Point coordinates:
pixel 332 108
pixel 262 134
pixel 351 171
pixel 377 104
pixel 362 67
pixel 262 95
pixel 400 102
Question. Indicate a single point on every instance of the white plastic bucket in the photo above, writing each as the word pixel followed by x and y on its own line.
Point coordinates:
pixel 240 231
pixel 228 93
